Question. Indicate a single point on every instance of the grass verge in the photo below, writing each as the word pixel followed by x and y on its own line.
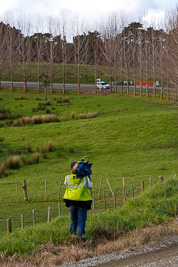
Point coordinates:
pixel 154 206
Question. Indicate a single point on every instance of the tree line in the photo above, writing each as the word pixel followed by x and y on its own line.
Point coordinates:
pixel 128 52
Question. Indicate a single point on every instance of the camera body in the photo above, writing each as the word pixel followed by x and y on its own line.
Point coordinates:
pixel 84 168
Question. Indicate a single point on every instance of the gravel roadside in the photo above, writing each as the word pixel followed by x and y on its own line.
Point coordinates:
pixel 163 253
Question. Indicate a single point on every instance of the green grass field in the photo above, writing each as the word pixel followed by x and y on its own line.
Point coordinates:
pixel 131 137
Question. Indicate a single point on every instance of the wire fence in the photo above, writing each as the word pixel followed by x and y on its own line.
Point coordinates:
pixel 107 194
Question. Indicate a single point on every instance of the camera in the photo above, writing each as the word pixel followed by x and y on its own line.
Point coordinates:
pixel 84 168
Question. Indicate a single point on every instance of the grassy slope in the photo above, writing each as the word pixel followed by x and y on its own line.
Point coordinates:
pixel 154 206
pixel 131 137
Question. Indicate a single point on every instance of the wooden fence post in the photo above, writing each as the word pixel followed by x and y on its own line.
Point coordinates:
pixel 104 200
pixel 124 188
pixel 59 209
pixel 49 213
pixel 9 226
pixel 161 179
pixel 132 188
pixel 93 203
pixel 34 218
pixel 46 196
pixel 28 194
pixel 100 188
pixel 110 187
pixel 142 186
pixel 114 197
pixel 22 221
pixel 60 184
pixel 17 192
pixel 150 181
pixel 25 190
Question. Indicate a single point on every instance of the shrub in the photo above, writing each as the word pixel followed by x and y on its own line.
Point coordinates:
pixel 1 124
pixel 2 169
pixel 13 162
pixel 72 115
pixel 35 158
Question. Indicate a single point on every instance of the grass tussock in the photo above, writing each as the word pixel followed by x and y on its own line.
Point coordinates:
pixel 20 98
pixel 39 119
pixel 46 148
pixel 63 100
pixel 72 116
pixel 34 158
pixel 13 162
pixel 89 115
pixel 16 123
pixel 6 114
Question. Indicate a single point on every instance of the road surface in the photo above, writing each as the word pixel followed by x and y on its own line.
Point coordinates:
pixel 83 87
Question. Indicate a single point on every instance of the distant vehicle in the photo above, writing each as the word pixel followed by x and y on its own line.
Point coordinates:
pixel 102 85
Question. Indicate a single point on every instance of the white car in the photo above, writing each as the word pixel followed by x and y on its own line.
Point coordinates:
pixel 102 85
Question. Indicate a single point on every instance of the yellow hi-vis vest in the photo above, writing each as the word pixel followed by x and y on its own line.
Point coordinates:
pixel 76 188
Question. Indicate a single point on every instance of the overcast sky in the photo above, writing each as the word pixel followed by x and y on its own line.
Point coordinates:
pixel 146 11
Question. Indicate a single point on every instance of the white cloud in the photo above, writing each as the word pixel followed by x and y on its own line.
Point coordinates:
pixel 8 5
pixel 153 17
pixel 92 10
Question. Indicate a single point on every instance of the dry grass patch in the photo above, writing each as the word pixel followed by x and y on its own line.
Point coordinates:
pixel 13 162
pixel 88 115
pixel 139 237
pixel 38 119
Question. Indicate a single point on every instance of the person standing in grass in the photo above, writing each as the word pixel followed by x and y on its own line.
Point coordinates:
pixel 78 199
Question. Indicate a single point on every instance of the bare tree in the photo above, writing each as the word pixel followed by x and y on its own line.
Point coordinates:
pixel 172 51
pixel 2 48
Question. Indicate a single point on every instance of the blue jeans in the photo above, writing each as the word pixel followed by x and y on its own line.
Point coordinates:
pixel 78 219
